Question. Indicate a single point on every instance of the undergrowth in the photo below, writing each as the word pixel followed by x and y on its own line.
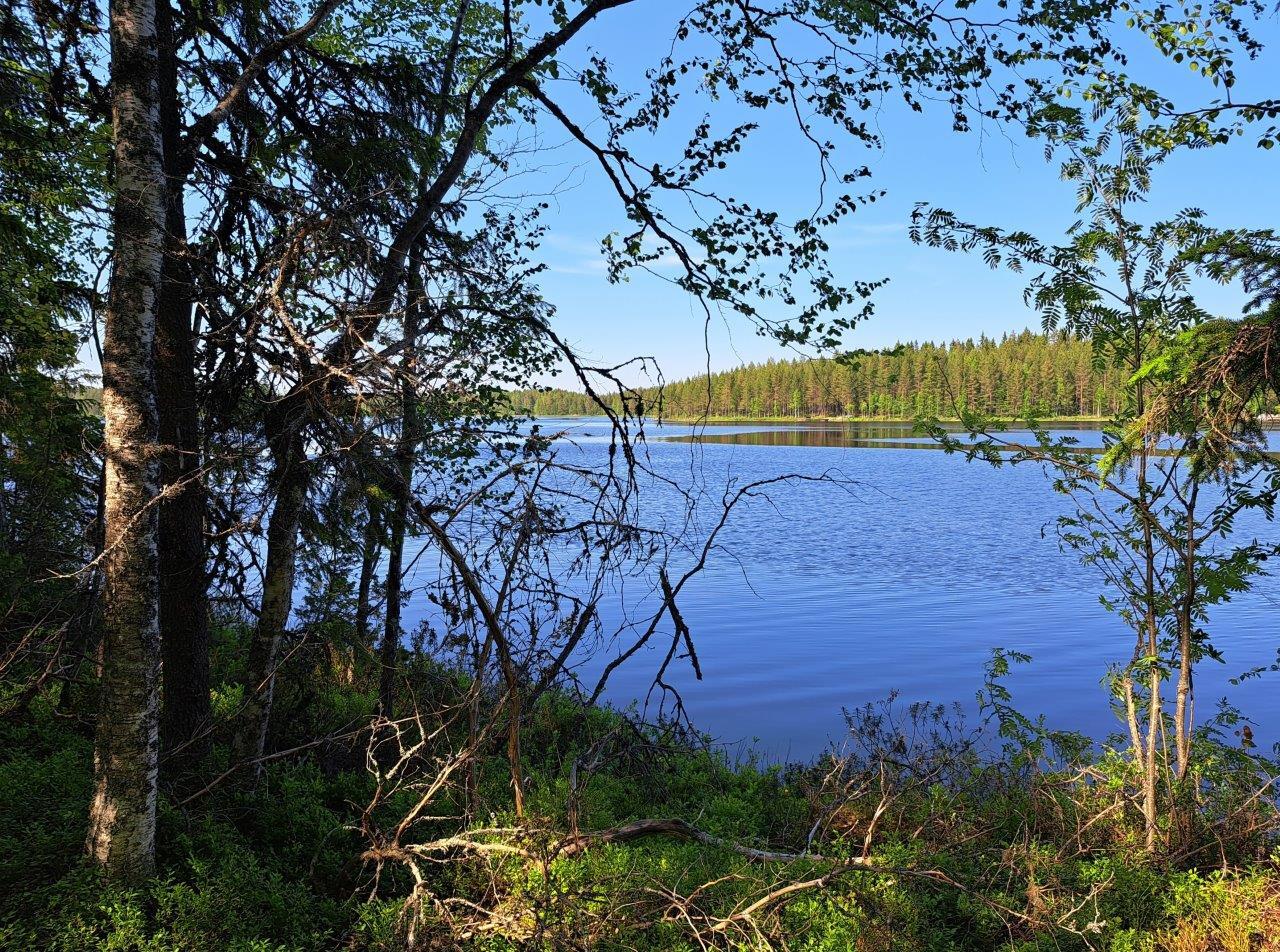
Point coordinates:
pixel 921 834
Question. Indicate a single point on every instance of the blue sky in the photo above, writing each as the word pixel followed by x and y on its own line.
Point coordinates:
pixel 991 176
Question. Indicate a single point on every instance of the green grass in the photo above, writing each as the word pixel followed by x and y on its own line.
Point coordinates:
pixel 981 854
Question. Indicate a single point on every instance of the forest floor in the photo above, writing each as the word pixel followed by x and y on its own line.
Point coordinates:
pixel 919 835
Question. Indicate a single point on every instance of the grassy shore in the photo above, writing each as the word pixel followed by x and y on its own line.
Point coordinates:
pixel 920 835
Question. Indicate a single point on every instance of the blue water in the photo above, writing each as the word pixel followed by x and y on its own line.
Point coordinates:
pixel 901 578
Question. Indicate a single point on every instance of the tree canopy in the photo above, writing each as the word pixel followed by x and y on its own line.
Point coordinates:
pixel 1022 375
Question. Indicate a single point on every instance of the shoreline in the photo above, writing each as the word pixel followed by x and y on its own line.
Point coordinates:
pixel 686 420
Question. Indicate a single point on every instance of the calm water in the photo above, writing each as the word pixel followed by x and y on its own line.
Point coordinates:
pixel 828 597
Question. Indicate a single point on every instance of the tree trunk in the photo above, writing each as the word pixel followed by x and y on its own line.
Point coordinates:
pixel 122 814
pixel 291 483
pixel 1186 636
pixel 389 650
pixel 368 564
pixel 184 601
pixel 403 489
pixel 1155 702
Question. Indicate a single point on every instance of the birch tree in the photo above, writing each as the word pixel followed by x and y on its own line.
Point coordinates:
pixel 122 816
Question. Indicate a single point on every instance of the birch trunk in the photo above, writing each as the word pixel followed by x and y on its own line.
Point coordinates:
pixel 122 813
pixel 1155 709
pixel 1186 637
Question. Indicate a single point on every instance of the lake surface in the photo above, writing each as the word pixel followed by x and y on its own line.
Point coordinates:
pixel 828 597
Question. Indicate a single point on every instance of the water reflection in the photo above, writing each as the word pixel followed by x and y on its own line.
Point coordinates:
pixel 888 435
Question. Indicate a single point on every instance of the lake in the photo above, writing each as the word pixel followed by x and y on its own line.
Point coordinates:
pixel 827 597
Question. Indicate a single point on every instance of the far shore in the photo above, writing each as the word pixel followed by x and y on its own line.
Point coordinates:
pixel 824 419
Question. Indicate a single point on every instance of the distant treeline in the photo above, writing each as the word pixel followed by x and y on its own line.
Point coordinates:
pixel 1025 374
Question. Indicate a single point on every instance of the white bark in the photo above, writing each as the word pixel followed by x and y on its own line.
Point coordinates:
pixel 122 816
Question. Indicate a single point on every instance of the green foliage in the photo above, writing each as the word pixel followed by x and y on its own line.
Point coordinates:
pixel 44 787
pixel 50 168
pixel 1025 374
pixel 966 832
pixel 261 873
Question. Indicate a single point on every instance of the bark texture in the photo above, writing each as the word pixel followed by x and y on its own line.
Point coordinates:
pixel 184 601
pixel 122 814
